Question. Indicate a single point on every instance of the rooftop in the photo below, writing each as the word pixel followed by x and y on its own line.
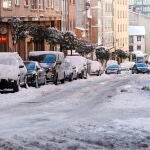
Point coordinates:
pixel 136 30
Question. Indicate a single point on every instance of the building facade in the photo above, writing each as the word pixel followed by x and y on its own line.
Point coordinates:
pixel 43 12
pixel 141 20
pixel 137 39
pixel 120 23
pixel 140 6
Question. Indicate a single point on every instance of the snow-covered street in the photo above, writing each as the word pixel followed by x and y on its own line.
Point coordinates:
pixel 105 112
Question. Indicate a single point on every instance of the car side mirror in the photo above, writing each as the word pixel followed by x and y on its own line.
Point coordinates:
pixel 37 68
pixel 21 66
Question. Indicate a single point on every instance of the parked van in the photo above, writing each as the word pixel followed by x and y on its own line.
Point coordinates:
pixel 12 71
pixel 51 62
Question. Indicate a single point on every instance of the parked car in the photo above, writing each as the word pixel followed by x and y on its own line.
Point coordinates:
pixel 140 68
pixel 113 69
pixel 148 65
pixel 81 65
pixel 12 71
pixel 95 68
pixel 126 66
pixel 35 74
pixel 70 70
pixel 50 61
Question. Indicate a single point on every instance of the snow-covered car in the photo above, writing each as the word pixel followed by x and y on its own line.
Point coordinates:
pixel 111 62
pixel 140 68
pixel 12 71
pixel 50 61
pixel 113 69
pixel 35 74
pixel 126 65
pixel 81 65
pixel 70 70
pixel 95 68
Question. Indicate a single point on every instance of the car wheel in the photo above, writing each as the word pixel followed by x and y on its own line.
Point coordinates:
pixel 45 81
pixel 71 78
pixel 25 82
pixel 36 84
pixel 56 80
pixel 16 87
pixel 85 75
pixel 98 73
pixel 63 80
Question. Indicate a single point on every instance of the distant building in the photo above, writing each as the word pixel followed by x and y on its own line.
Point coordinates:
pixel 42 12
pixel 137 39
pixel 120 22
pixel 141 20
pixel 140 6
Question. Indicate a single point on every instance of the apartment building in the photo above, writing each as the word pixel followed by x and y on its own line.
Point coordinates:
pixel 120 23
pixel 137 39
pixel 42 12
pixel 140 6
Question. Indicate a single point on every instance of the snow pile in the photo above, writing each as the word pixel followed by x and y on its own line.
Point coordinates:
pixel 107 112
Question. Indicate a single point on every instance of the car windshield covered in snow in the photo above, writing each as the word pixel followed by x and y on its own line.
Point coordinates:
pixel 30 65
pixel 44 58
pixel 8 61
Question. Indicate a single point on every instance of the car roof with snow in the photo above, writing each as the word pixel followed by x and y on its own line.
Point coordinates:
pixel 36 53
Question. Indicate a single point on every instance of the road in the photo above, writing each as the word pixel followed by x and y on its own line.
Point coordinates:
pixel 77 115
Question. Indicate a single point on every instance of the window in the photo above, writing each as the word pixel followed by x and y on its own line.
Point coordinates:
pixel 34 4
pixel 26 2
pixel 48 3
pixel 130 39
pixel 139 47
pixel 130 48
pixel 17 2
pixel 7 3
pixel 41 4
pixel 138 38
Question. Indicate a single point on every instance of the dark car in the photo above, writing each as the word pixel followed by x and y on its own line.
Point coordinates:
pixel 140 68
pixel 35 74
pixel 113 69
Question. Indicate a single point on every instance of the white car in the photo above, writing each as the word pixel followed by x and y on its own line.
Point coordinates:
pixel 12 71
pixel 95 68
pixel 81 65
pixel 70 70
pixel 50 61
